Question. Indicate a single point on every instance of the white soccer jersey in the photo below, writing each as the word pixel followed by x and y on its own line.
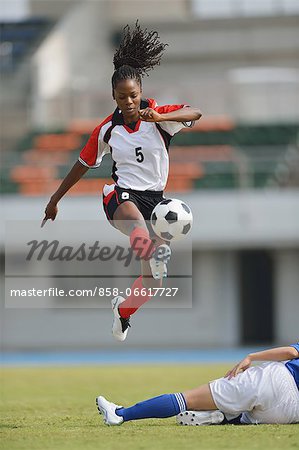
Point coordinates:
pixel 140 156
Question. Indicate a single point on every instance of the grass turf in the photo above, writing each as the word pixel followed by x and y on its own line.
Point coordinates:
pixel 54 408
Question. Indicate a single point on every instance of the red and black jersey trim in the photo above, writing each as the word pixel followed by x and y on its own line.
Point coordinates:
pixel 89 152
pixel 165 136
pixel 113 174
pixel 110 203
pixel 107 135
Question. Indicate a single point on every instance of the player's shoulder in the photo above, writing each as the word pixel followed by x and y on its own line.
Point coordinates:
pixel 103 125
pixel 152 103
pixel 107 120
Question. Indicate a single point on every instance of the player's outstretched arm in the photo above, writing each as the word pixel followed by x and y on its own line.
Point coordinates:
pixel 273 354
pixel 74 175
pixel 187 114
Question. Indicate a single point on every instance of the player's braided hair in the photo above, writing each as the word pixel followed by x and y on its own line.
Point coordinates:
pixel 139 52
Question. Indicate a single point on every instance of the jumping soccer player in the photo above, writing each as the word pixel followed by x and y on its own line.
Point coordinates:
pixel 268 393
pixel 137 135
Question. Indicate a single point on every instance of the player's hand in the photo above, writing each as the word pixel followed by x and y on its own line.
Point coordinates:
pixel 149 115
pixel 240 367
pixel 50 212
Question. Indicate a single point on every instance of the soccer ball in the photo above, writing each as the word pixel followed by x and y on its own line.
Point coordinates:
pixel 171 219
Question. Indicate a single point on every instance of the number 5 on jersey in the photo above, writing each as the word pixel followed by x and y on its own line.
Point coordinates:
pixel 139 154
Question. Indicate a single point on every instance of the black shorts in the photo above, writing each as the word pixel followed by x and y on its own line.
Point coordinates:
pixel 144 200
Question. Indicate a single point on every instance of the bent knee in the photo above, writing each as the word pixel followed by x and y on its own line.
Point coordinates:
pixel 128 211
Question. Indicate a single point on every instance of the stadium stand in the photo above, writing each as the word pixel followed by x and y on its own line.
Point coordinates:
pixel 18 39
pixel 216 154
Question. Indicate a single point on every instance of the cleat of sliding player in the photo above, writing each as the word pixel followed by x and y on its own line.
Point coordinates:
pixel 200 418
pixel 108 410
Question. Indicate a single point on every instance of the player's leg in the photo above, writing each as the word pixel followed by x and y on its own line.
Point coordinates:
pixel 154 253
pixel 201 408
pixel 127 212
pixel 163 406
pixel 157 265
pixel 166 405
pixel 128 219
pixel 200 398
pixel 123 213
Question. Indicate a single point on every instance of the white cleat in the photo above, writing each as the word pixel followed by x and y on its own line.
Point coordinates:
pixel 159 260
pixel 108 410
pixel 200 418
pixel 120 326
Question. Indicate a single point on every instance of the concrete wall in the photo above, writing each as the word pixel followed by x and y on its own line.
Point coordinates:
pixel 287 294
pixel 224 224
pixel 68 70
pixel 213 319
pixel 241 67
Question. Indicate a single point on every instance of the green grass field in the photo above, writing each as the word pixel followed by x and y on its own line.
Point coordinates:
pixel 54 408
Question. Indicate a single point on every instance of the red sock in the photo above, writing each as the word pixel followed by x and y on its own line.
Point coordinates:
pixel 135 300
pixel 141 243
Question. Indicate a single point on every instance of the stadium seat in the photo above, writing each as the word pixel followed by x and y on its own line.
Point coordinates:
pixel 217 156
pixel 53 142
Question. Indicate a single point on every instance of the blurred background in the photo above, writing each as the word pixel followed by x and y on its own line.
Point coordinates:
pixel 238 168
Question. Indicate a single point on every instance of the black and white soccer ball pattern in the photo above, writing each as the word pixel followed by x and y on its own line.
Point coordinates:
pixel 171 219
